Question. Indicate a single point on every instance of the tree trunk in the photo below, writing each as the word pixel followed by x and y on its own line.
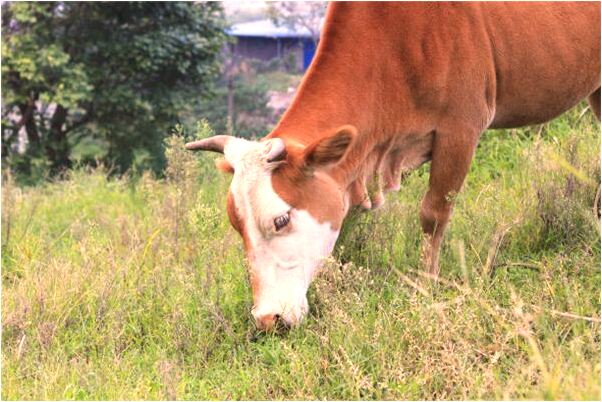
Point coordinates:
pixel 231 70
pixel 28 113
pixel 230 121
pixel 57 146
pixel 27 120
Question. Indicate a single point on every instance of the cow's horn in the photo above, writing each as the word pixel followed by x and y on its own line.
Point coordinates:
pixel 276 150
pixel 215 144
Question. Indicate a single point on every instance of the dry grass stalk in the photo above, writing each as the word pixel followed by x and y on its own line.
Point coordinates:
pixel 21 346
pixel 413 284
pixel 565 314
pixel 498 238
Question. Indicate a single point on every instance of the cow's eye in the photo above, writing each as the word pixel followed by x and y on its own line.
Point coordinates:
pixel 282 221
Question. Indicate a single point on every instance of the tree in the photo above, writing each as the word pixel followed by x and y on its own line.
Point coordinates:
pixel 295 15
pixel 111 76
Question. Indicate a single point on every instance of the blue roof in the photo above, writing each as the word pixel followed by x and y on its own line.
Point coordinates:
pixel 266 28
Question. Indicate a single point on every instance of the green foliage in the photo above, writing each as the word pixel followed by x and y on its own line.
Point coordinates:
pixel 180 162
pixel 103 80
pixel 298 15
pixel 137 289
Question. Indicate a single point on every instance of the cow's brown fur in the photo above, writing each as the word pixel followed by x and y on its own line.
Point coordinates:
pixel 422 81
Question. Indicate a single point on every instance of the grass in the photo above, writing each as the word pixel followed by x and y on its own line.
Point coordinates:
pixel 135 288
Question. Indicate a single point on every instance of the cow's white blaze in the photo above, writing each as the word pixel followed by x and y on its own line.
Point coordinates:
pixel 286 264
pixel 283 263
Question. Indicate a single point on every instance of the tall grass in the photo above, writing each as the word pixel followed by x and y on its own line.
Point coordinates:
pixel 128 288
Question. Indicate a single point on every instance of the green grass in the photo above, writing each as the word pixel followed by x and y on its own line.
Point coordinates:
pixel 136 288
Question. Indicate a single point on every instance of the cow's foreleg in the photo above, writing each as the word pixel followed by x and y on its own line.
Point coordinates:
pixel 451 156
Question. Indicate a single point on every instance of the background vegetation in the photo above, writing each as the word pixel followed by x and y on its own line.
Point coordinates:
pixel 121 278
pixel 135 287
pixel 102 82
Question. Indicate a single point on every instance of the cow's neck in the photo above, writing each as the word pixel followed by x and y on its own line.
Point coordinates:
pixel 338 90
pixel 326 99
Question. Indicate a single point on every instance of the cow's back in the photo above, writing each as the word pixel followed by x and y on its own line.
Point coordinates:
pixel 546 57
pixel 516 63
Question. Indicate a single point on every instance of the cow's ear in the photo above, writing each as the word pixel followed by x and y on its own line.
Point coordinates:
pixel 224 166
pixel 331 149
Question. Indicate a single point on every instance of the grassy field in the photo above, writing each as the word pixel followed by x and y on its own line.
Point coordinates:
pixel 135 288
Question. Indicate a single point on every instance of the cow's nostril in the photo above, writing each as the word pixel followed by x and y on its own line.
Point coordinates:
pixel 271 322
pixel 266 322
pixel 281 323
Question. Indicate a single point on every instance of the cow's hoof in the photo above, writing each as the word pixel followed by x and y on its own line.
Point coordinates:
pixel 378 200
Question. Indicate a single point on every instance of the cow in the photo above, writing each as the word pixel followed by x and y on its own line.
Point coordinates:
pixel 392 86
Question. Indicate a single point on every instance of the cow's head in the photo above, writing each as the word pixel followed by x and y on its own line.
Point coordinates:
pixel 287 206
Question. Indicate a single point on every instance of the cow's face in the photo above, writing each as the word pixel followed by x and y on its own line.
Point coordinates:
pixel 288 209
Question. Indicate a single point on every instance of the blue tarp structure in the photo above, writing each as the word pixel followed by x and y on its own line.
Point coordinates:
pixel 267 29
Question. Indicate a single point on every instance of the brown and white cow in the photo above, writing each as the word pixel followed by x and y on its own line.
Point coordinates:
pixel 392 86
